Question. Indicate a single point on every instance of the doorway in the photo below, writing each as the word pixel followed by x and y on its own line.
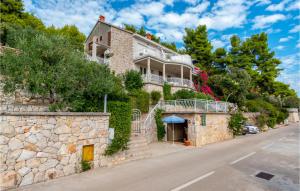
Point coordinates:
pixel 180 132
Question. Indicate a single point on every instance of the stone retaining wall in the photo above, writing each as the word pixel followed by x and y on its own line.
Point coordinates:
pixel 38 146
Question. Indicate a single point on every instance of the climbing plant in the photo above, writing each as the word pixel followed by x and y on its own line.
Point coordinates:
pixel 159 125
pixel 120 120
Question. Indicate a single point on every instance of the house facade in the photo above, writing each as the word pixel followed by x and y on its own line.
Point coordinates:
pixel 123 50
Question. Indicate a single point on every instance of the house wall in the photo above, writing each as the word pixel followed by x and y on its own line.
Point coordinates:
pixel 36 147
pixel 122 49
pixel 100 29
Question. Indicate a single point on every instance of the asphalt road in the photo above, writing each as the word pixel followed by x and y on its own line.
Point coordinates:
pixel 230 165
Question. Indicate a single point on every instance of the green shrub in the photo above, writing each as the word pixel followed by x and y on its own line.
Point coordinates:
pixel 236 122
pixel 261 120
pixel 282 115
pixel 167 91
pixel 155 97
pixel 159 125
pixel 200 95
pixel 271 122
pixel 133 80
pixel 140 100
pixel 120 120
pixel 184 94
pixel 85 165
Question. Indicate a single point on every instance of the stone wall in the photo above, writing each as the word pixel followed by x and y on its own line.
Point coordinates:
pixel 36 147
pixel 251 117
pixel 21 100
pixel 122 49
pixel 293 115
pixel 216 128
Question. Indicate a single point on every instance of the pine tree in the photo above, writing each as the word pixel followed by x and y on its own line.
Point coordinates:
pixel 198 46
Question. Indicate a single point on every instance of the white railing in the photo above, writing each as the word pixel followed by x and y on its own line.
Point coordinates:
pixel 171 80
pixel 96 59
pixel 184 59
pixel 148 123
pixel 196 105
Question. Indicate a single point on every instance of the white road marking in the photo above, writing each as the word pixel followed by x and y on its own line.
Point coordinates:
pixel 242 158
pixel 267 146
pixel 282 138
pixel 193 181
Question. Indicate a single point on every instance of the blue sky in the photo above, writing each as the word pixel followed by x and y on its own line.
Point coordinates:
pixel 168 18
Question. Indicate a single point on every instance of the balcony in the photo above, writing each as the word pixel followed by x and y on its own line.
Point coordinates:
pixel 167 57
pixel 97 59
pixel 173 81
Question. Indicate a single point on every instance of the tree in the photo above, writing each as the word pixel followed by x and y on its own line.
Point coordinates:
pixel 12 13
pixel 142 31
pixel 220 60
pixel 130 28
pixel 71 32
pixel 48 66
pixel 133 80
pixel 197 45
pixel 232 86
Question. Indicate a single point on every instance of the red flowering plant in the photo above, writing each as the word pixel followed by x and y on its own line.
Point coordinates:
pixel 200 83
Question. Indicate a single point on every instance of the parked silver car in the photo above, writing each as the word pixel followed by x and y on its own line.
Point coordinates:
pixel 252 129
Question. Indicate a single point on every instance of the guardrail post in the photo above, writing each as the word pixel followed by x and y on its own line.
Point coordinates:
pixel 216 106
pixel 206 105
pixel 225 107
pixel 175 106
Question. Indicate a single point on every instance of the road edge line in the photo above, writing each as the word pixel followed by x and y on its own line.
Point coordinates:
pixel 242 158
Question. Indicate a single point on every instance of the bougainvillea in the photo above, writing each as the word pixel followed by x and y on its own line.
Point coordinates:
pixel 200 84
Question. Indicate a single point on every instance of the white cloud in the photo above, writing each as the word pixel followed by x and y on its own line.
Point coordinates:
pixel 217 43
pixel 280 47
pixel 290 73
pixel 285 39
pixel 226 14
pixel 199 8
pixel 262 2
pixel 294 6
pixel 278 7
pixel 193 2
pixel 264 21
pixel 81 13
pixel 272 31
pixel 295 29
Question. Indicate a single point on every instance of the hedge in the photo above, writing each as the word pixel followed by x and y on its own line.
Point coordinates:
pixel 236 122
pixel 167 91
pixel 159 125
pixel 155 97
pixel 140 99
pixel 120 120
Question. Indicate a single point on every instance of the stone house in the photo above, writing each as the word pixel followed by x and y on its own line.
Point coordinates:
pixel 124 50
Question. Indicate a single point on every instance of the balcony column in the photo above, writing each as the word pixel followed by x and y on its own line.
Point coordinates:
pixel 164 72
pixel 148 70
pixel 191 77
pixel 181 67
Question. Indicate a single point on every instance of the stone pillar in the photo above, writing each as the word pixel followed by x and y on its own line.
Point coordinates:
pixel 164 72
pixel 181 68
pixel 148 70
pixel 94 51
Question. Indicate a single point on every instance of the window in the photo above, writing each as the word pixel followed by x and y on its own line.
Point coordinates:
pixel 100 38
pixel 160 73
pixel 203 119
pixel 145 71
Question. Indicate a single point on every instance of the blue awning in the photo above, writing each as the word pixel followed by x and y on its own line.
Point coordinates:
pixel 173 119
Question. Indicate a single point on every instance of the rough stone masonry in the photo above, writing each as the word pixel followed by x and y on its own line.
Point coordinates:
pixel 38 146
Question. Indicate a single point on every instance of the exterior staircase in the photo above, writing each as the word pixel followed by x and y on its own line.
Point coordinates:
pixel 138 148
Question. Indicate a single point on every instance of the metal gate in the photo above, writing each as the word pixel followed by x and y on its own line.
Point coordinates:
pixel 136 121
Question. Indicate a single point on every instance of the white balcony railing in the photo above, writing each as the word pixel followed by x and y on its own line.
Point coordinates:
pixel 171 80
pixel 184 59
pixel 96 59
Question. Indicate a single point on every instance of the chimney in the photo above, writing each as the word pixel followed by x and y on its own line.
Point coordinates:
pixel 148 36
pixel 101 18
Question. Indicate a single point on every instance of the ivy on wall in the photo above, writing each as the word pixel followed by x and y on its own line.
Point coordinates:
pixel 140 99
pixel 159 125
pixel 120 120
pixel 167 91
